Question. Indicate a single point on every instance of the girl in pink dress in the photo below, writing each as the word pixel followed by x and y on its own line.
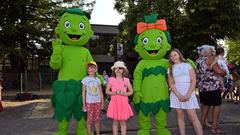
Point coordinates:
pixel 119 88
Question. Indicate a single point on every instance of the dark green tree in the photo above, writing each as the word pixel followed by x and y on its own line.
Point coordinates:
pixel 84 4
pixel 211 20
pixel 233 53
pixel 135 10
pixel 27 28
pixel 191 23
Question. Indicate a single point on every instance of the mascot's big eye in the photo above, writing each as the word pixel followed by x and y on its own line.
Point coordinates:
pixel 67 24
pixel 81 26
pixel 145 41
pixel 159 40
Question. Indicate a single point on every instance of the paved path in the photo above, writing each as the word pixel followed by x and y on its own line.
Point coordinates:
pixel 34 118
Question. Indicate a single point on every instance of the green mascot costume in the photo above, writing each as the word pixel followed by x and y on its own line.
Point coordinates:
pixel 70 58
pixel 151 94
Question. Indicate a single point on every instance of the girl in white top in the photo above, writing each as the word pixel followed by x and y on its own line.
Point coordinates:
pixel 92 97
pixel 182 81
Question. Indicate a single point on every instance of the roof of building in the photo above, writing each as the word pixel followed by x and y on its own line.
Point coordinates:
pixel 103 58
pixel 105 29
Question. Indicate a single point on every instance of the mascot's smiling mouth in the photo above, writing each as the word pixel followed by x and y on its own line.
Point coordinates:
pixel 152 52
pixel 74 37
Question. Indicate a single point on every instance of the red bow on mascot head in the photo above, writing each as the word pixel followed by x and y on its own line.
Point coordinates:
pixel 159 24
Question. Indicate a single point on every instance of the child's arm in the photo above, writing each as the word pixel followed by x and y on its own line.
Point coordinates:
pixel 108 92
pixel 84 97
pixel 192 85
pixel 130 90
pixel 101 94
pixel 173 88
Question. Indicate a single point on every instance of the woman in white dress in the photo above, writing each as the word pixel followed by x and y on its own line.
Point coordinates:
pixel 182 82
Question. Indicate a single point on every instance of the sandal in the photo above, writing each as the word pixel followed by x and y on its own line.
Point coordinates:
pixel 207 125
pixel 216 131
pixel 219 131
pixel 213 130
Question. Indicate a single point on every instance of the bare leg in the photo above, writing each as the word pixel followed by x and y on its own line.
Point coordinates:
pixel 215 115
pixel 115 127
pixel 181 121
pixel 89 128
pixel 208 120
pixel 204 114
pixel 97 127
pixel 196 123
pixel 123 127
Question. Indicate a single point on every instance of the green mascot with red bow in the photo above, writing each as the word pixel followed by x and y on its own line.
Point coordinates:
pixel 69 56
pixel 151 94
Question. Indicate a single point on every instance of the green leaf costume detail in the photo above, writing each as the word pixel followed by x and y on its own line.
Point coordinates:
pixel 75 11
pixel 100 77
pixel 151 19
pixel 155 71
pixel 191 63
pixel 70 58
pixel 148 108
pixel 151 94
pixel 67 94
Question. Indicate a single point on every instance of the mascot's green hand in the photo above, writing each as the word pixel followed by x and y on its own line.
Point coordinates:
pixel 56 57
pixel 57 45
pixel 136 97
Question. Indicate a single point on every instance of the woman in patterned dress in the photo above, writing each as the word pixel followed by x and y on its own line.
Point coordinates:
pixel 209 88
pixel 182 82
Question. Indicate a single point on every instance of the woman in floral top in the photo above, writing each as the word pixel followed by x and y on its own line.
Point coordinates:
pixel 209 86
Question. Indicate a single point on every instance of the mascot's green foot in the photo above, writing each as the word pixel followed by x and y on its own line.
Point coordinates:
pixel 143 132
pixel 163 131
pixel 62 128
pixel 81 127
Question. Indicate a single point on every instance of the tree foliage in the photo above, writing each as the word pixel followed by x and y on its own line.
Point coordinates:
pixel 191 22
pixel 213 20
pixel 233 53
pixel 27 28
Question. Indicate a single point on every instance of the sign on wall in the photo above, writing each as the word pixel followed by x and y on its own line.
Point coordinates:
pixel 119 49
